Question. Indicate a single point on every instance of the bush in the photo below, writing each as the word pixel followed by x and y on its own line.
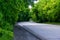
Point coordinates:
pixel 23 15
pixel 10 11
pixel 46 11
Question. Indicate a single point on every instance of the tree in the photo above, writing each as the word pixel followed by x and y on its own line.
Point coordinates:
pixel 48 11
pixel 10 10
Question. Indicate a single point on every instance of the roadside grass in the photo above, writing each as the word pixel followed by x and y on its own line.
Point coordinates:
pixel 54 23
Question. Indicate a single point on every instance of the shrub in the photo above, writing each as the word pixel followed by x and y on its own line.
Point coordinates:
pixel 46 11
pixel 9 11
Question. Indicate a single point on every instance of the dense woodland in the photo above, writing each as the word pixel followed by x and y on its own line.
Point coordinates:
pixel 12 11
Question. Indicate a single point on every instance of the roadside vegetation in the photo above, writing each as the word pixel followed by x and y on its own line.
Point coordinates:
pixel 46 11
pixel 12 11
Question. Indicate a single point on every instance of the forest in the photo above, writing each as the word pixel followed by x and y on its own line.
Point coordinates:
pixel 13 11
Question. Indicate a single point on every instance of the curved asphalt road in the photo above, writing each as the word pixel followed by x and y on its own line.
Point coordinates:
pixel 44 31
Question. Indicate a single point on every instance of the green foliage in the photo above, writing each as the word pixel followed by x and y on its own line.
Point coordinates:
pixel 8 11
pixel 11 11
pixel 5 34
pixel 24 15
pixel 47 11
pixel 1 16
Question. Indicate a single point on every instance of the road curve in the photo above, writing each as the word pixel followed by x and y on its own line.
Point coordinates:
pixel 43 31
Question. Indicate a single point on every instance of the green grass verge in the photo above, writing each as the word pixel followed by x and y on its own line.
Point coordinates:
pixel 55 23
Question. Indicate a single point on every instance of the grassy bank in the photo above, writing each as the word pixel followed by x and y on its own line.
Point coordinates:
pixel 55 23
